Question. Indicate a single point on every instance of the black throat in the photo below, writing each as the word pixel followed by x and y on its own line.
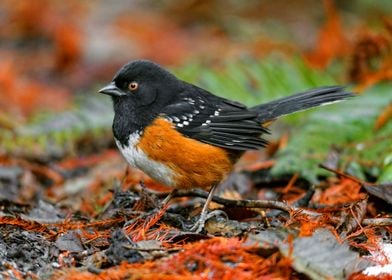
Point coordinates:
pixel 128 119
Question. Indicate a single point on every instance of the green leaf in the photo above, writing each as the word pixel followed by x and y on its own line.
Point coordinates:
pixel 348 126
pixel 51 135
pixel 386 172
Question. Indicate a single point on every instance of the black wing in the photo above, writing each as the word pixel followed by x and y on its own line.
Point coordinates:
pixel 200 115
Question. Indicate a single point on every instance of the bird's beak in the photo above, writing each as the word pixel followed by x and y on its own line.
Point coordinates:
pixel 112 90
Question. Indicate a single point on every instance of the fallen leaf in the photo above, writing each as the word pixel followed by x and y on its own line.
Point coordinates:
pixel 319 256
pixel 383 191
pixel 332 42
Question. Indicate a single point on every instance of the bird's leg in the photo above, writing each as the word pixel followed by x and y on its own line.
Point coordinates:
pixel 199 225
pixel 169 197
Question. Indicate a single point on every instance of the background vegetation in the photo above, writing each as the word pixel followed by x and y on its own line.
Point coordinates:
pixel 58 163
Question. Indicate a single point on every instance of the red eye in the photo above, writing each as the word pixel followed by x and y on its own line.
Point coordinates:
pixel 133 86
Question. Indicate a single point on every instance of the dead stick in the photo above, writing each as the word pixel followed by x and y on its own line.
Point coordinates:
pixel 340 173
pixel 245 203
pixel 238 203
pixel 377 222
pixel 271 204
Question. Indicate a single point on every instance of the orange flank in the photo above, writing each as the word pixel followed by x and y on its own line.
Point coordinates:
pixel 196 165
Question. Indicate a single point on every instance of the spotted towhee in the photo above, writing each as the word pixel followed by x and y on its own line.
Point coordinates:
pixel 184 136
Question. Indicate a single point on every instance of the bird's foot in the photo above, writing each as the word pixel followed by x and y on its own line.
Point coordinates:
pixel 199 225
pixel 204 217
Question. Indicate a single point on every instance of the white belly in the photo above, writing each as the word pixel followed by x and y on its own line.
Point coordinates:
pixel 137 158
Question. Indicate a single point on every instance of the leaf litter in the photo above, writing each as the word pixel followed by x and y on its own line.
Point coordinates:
pixel 71 209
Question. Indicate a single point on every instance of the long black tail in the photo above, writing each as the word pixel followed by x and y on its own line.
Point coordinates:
pixel 301 101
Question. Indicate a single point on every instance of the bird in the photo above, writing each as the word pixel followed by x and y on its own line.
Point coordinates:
pixel 184 136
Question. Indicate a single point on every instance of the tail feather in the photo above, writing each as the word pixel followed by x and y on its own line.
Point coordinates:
pixel 301 101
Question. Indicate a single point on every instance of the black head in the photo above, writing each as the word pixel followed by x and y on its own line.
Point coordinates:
pixel 139 90
pixel 141 82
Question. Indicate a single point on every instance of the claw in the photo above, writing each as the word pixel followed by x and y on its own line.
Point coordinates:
pixel 199 225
